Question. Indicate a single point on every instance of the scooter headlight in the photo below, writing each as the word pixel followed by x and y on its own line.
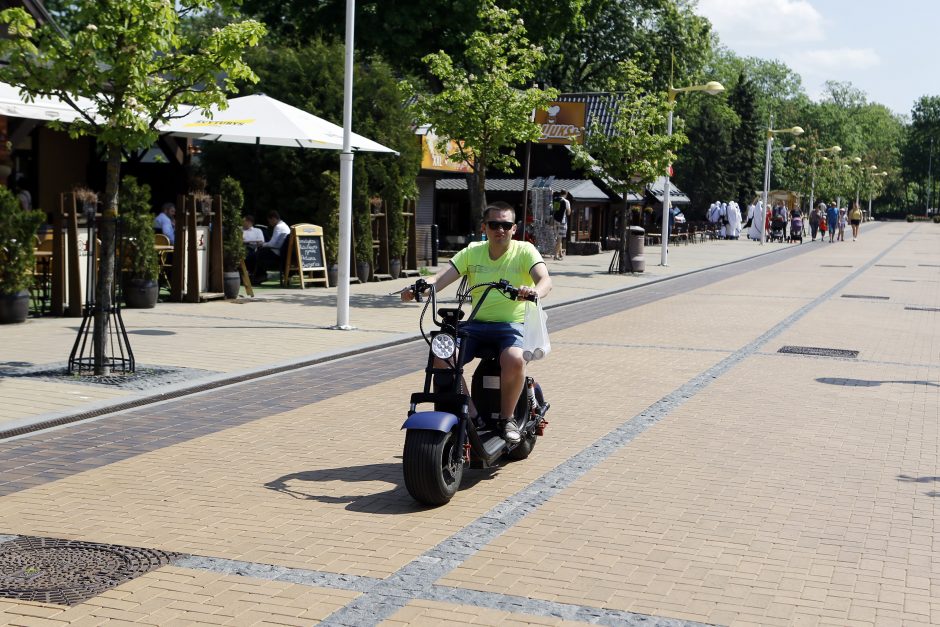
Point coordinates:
pixel 443 346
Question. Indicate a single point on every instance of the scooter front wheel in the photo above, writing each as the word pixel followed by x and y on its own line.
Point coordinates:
pixel 432 469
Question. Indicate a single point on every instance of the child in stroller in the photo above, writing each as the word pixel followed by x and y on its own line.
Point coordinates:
pixel 778 224
pixel 796 226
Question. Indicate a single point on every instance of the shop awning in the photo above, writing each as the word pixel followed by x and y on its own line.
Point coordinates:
pixel 582 190
pixel 658 187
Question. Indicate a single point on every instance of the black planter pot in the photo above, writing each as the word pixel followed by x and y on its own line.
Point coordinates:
pixel 363 271
pixel 332 274
pixel 141 293
pixel 394 268
pixel 14 307
pixel 231 284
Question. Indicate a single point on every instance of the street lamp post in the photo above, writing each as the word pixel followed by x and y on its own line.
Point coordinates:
pixel 795 130
pixel 812 187
pixel 711 88
pixel 858 183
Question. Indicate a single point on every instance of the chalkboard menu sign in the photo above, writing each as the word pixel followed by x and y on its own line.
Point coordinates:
pixel 311 252
pixel 305 256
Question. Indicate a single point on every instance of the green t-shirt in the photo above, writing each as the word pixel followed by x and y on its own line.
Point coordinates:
pixel 514 266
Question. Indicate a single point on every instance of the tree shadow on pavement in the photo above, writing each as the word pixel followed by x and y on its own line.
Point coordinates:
pixel 864 383
pixel 396 500
pixel 365 301
pixel 927 479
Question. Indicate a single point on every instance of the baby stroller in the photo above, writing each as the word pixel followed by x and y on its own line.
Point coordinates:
pixel 796 228
pixel 778 225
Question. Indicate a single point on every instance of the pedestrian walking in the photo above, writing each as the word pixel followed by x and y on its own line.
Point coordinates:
pixel 832 221
pixel 814 214
pixel 855 219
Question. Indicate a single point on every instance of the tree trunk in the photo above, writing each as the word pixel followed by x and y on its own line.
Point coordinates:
pixel 104 287
pixel 476 183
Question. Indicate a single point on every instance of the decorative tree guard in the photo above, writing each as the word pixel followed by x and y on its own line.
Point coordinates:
pixel 117 356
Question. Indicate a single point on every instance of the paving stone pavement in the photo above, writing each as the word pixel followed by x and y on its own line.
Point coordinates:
pixel 691 473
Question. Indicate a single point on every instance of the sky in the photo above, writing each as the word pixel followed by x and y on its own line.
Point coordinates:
pixel 882 47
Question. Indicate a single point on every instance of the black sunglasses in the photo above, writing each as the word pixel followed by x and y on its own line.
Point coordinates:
pixel 494 224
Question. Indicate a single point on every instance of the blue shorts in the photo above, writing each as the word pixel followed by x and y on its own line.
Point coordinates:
pixel 492 335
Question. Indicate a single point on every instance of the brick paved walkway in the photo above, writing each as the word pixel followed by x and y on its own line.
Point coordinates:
pixel 691 472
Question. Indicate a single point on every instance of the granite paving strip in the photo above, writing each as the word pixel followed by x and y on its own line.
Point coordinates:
pixel 417 577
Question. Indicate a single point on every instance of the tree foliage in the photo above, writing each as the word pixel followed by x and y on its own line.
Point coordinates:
pixel 403 32
pixel 133 62
pixel 639 149
pixel 484 102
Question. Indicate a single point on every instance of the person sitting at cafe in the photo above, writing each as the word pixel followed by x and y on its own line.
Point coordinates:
pixel 163 223
pixel 253 239
pixel 269 254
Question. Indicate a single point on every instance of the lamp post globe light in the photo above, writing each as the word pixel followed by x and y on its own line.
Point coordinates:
pixel 771 132
pixel 711 88
pixel 812 187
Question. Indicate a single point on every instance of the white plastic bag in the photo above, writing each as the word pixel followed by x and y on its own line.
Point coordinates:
pixel 535 344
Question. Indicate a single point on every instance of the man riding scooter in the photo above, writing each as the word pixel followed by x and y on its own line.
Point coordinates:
pixel 499 321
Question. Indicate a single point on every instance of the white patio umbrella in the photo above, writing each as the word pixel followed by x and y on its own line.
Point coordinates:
pixel 14 105
pixel 259 119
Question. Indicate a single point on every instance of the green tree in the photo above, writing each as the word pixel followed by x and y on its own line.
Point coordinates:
pixel 638 150
pixel 403 32
pixel 747 140
pixel 921 142
pixel 483 103
pixel 132 60
pixel 704 170
pixel 664 37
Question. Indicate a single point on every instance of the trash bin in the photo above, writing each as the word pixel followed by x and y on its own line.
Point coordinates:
pixel 635 248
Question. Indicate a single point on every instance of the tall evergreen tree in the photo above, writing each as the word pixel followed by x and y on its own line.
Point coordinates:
pixel 746 163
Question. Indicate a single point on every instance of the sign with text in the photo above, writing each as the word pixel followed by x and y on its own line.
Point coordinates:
pixel 434 158
pixel 562 123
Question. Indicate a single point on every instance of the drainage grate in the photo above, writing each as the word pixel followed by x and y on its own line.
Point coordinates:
pixel 830 266
pixel 67 572
pixel 865 296
pixel 922 308
pixel 887 265
pixel 929 265
pixel 818 352
pixel 904 280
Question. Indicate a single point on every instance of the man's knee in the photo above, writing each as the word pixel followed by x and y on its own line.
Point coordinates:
pixel 511 360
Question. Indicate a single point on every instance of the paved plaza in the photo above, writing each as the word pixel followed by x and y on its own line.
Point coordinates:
pixel 691 472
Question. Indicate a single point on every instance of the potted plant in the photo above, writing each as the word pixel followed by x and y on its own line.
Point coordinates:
pixel 87 200
pixel 363 222
pixel 17 228
pixel 397 238
pixel 233 248
pixel 140 257
pixel 327 216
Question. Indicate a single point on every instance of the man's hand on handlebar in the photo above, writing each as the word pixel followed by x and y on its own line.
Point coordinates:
pixel 527 293
pixel 413 292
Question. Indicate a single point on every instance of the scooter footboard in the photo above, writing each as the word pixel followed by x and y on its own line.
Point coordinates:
pixel 431 421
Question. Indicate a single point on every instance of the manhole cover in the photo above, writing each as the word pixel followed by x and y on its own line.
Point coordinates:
pixel 67 572
pixel 865 296
pixel 922 308
pixel 818 352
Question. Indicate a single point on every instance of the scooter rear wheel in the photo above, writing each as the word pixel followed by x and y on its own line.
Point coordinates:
pixel 524 449
pixel 432 476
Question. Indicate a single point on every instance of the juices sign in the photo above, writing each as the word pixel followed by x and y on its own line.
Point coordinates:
pixel 562 123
